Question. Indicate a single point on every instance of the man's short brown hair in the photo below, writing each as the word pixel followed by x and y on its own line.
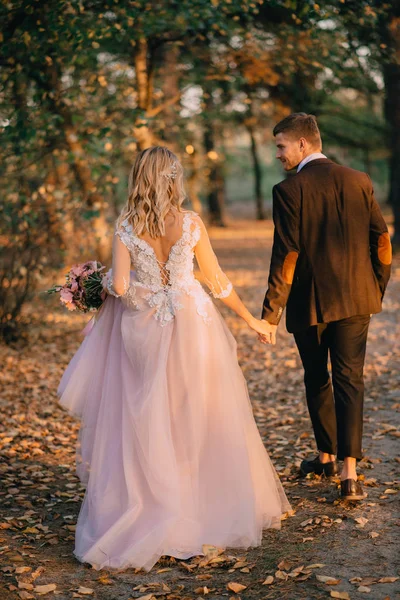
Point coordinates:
pixel 300 125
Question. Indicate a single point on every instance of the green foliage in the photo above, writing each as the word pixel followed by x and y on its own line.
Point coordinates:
pixel 73 109
pixel 28 242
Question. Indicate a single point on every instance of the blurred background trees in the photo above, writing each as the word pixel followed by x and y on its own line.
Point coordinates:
pixel 86 84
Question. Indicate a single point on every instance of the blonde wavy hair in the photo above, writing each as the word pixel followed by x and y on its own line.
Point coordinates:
pixel 155 186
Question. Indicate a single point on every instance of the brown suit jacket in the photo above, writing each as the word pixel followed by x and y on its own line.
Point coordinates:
pixel 331 254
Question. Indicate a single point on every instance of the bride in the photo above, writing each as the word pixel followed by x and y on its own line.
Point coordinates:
pixel 168 445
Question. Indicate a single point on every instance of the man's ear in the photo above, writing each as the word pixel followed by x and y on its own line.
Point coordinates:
pixel 302 143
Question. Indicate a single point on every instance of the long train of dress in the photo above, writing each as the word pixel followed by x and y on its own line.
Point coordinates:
pixel 168 445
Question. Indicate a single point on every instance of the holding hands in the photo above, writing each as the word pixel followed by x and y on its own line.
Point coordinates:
pixel 266 331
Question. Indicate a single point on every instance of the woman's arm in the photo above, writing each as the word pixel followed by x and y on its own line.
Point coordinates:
pixel 219 283
pixel 117 281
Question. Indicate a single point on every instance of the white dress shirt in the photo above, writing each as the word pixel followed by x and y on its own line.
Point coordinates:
pixel 310 157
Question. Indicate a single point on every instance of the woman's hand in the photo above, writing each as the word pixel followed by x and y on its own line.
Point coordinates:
pixel 266 331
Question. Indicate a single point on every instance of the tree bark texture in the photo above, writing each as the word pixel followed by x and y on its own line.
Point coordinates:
pixel 216 180
pixel 257 174
pixel 392 113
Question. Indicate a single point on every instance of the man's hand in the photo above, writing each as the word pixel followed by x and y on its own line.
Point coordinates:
pixel 269 335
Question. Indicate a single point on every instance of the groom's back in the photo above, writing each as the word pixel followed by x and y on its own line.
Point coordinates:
pixel 334 277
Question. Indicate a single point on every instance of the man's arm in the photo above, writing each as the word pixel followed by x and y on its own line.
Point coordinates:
pixel 285 252
pixel 379 242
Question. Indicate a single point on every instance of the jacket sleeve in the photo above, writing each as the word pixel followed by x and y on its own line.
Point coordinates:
pixel 285 252
pixel 379 243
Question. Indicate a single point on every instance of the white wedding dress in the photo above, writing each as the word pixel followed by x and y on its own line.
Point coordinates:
pixel 168 445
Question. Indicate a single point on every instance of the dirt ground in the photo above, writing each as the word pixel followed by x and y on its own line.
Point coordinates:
pixel 327 548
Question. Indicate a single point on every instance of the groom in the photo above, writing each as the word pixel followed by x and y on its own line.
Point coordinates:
pixel 330 265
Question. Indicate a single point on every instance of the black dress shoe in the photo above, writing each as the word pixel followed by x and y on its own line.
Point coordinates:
pixel 316 466
pixel 350 489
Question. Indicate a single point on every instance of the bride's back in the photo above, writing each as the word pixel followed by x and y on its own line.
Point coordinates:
pixel 173 232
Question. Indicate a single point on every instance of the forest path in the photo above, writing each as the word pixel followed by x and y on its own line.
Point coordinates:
pixel 40 495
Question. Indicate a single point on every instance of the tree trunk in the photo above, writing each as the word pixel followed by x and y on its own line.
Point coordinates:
pixel 94 200
pixel 367 161
pixel 216 182
pixel 144 63
pixel 141 130
pixel 193 183
pixel 257 174
pixel 57 179
pixel 171 78
pixel 392 113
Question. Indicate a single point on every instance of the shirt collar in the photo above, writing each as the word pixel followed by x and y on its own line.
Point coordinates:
pixel 310 157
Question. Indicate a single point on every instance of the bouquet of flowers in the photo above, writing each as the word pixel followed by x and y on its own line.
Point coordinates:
pixel 83 289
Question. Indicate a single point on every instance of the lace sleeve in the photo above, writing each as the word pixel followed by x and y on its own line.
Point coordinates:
pixel 215 278
pixel 118 279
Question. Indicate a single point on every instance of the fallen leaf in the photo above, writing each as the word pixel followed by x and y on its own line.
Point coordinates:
pixel 164 570
pixel 239 564
pixel 387 579
pixel 361 521
pixel 45 589
pixel 297 570
pixel 105 580
pixel 211 554
pixel 37 573
pixel 211 550
pixel 367 581
pixel 85 591
pixel 236 587
pixel 363 589
pixel 20 570
pixel 340 595
pixel 25 586
pixel 7 569
pixel 281 575
pixel 268 581
pixel 328 580
pixel 25 595
pixel 202 590
pixel 373 534
pixel 284 565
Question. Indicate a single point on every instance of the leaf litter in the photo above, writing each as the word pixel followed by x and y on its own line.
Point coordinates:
pixel 40 495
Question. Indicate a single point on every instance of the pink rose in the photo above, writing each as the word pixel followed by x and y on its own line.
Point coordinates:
pixel 77 270
pixel 66 296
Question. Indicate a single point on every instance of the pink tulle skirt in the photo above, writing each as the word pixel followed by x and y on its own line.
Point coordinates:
pixel 168 445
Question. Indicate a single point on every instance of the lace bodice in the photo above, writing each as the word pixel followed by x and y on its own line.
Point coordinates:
pixel 166 282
